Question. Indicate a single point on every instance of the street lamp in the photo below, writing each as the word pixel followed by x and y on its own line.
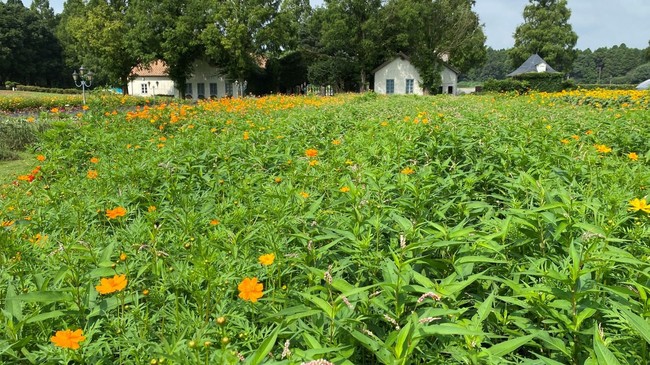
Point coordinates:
pixel 83 80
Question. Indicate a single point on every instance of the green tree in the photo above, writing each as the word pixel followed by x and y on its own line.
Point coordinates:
pixel 646 52
pixel 429 31
pixel 547 32
pixel 237 35
pixel 96 34
pixel 29 51
pixel 496 66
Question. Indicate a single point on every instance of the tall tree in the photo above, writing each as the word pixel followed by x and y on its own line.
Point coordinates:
pixel 97 35
pixel 236 36
pixel 547 32
pixel 431 31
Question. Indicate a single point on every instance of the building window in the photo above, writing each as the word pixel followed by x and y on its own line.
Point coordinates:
pixel 228 88
pixel 213 90
pixel 450 90
pixel 409 86
pixel 143 88
pixel 200 90
pixel 188 91
pixel 390 86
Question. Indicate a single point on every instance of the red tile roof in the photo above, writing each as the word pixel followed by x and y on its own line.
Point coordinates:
pixel 155 68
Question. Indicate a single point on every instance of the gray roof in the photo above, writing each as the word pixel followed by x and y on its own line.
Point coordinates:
pixel 407 58
pixel 645 85
pixel 530 65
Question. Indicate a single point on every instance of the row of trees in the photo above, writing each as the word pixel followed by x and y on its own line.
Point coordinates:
pixel 617 64
pixel 339 43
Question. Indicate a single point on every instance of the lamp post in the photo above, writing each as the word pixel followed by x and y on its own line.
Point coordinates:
pixel 83 80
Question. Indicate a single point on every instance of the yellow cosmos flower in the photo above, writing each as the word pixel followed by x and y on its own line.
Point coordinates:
pixel 637 204
pixel 407 171
pixel 344 189
pixel 603 148
pixel 305 195
pixel 111 285
pixel 633 156
pixel 267 259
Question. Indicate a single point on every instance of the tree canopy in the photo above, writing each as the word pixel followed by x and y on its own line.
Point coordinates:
pixel 546 31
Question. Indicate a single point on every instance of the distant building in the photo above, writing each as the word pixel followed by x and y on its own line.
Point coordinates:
pixel 205 82
pixel 534 63
pixel 400 76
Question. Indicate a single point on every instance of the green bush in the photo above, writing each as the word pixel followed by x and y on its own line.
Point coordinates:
pixel 507 85
pixel 40 89
pixel 543 81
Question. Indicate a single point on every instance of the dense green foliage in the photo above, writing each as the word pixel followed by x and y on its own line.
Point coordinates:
pixel 616 65
pixel 506 85
pixel 29 50
pixel 338 44
pixel 546 31
pixel 429 230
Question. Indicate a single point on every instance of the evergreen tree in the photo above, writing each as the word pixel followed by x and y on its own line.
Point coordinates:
pixel 547 32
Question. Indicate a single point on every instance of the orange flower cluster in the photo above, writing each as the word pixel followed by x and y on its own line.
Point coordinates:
pixel 115 212
pixel 111 285
pixel 32 176
pixel 68 339
pixel 311 153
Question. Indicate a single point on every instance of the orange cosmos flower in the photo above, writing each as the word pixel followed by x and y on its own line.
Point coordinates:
pixel 85 107
pixel 637 204
pixel 111 285
pixel 151 209
pixel 344 189
pixel 311 153
pixel 41 158
pixel 633 156
pixel 575 136
pixel 407 171
pixel 54 110
pixel 277 180
pixel 267 259
pixel 92 174
pixel 94 160
pixel 68 339
pixel 115 212
pixel 250 289
pixel 214 222
pixel 305 195
pixel 246 136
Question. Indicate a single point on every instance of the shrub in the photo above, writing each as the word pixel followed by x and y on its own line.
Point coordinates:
pixel 507 85
pixel 543 81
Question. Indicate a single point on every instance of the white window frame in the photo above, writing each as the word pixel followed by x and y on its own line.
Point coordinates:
pixel 391 83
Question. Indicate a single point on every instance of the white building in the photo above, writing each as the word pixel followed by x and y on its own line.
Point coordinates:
pixel 399 76
pixel 205 82
pixel 152 80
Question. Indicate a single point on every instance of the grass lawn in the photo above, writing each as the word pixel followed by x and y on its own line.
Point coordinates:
pixel 9 170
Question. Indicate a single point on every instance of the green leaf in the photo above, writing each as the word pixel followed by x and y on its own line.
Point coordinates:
pixel 603 354
pixel 402 336
pixel 44 297
pixel 258 356
pixel 320 303
pixel 12 304
pixel 448 329
pixel 506 347
pixel 637 323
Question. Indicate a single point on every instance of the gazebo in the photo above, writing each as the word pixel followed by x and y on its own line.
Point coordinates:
pixel 534 63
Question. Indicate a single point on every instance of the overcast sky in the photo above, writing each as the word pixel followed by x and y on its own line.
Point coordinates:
pixel 598 23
